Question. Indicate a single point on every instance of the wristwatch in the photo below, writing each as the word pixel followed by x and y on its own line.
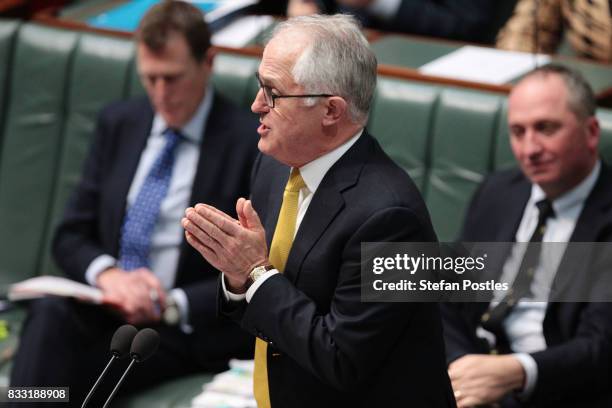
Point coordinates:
pixel 172 314
pixel 257 273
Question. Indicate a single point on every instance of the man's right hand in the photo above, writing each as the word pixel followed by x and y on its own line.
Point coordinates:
pixel 133 292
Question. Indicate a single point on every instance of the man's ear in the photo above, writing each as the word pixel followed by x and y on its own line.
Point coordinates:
pixel 335 108
pixel 593 133
pixel 208 59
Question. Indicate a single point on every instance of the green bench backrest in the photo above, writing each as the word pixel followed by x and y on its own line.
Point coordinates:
pixel 8 29
pixel 401 119
pixel 446 138
pixel 31 144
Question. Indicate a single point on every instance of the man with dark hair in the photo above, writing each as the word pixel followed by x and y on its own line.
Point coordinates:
pixel 151 158
pixel 533 349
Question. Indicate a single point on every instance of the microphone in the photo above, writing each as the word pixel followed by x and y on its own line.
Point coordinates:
pixel 144 346
pixel 119 348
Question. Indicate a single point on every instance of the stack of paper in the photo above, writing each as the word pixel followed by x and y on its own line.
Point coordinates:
pixel 480 64
pixel 230 389
pixel 54 285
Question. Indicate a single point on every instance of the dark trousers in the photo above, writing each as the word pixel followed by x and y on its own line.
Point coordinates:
pixel 66 343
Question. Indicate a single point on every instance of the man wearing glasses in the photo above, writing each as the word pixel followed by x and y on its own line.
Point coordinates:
pixel 291 258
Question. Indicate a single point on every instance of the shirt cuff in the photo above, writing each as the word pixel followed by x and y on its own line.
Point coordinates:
pixel 251 291
pixel 384 9
pixel 97 266
pixel 229 296
pixel 531 374
pixel 180 298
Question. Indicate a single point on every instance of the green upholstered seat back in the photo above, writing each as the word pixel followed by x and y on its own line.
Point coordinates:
pixel 31 144
pixel 461 154
pixel 234 77
pixel 605 124
pixel 8 30
pixel 401 119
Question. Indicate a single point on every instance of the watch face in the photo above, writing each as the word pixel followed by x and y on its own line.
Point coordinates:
pixel 171 315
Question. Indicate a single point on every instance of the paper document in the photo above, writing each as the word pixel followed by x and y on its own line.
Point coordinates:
pixel 230 389
pixel 54 285
pixel 487 65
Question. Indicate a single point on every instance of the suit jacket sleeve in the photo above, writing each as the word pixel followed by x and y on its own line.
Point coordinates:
pixel 331 345
pixel 582 365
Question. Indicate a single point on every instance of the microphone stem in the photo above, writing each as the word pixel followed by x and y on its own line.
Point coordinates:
pixel 110 397
pixel 95 386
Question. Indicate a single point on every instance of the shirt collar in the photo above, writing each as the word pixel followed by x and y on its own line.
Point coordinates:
pixel 575 196
pixel 313 172
pixel 193 130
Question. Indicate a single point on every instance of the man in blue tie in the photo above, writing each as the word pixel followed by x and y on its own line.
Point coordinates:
pixel 151 158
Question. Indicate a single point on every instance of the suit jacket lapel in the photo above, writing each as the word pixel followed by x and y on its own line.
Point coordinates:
pixel 278 180
pixel 327 202
pixel 587 229
pixel 518 195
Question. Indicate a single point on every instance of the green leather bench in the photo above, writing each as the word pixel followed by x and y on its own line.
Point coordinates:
pixel 54 81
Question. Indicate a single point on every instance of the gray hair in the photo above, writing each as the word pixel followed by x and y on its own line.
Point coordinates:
pixel 581 100
pixel 337 60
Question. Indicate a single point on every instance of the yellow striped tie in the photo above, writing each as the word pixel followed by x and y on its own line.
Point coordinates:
pixel 279 251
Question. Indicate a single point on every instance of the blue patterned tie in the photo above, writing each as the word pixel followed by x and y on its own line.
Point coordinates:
pixel 140 219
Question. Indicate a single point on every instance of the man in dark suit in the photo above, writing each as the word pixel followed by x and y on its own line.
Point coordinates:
pixel 556 353
pixel 151 159
pixel 464 20
pixel 318 343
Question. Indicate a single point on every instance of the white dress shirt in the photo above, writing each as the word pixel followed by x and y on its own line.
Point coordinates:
pixel 523 326
pixel 168 232
pixel 312 173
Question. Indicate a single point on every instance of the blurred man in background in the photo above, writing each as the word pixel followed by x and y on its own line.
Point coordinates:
pixel 151 158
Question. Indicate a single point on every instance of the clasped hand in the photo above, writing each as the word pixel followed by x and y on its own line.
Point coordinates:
pixel 133 294
pixel 479 379
pixel 233 246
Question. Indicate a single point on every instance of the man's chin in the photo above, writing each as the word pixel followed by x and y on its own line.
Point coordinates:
pixel 171 119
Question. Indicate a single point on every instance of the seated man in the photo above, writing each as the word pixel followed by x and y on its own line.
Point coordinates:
pixel 553 354
pixel 151 158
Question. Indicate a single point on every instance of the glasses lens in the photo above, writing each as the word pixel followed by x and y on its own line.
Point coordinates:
pixel 266 91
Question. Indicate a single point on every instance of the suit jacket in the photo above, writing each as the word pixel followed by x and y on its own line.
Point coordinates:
pixel 575 368
pixel 326 347
pixel 94 214
pixel 464 20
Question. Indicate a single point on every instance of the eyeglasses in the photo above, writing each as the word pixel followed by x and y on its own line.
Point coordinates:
pixel 271 97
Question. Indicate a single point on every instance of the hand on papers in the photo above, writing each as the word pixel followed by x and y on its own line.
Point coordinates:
pixel 235 247
pixel 479 379
pixel 138 295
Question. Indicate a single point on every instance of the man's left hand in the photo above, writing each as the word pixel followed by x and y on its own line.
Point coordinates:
pixel 479 379
pixel 233 247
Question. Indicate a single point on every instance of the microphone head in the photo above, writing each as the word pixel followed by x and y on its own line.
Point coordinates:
pixel 144 345
pixel 122 340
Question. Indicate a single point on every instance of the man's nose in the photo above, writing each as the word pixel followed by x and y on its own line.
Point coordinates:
pixel 259 104
pixel 160 89
pixel 532 144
